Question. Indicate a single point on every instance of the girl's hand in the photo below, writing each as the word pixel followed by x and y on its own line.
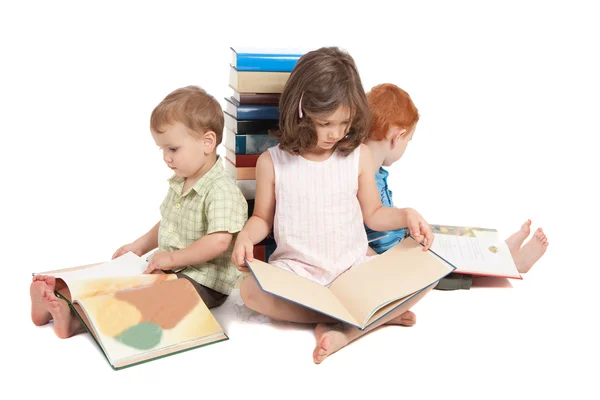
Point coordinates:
pixel 243 248
pixel 419 228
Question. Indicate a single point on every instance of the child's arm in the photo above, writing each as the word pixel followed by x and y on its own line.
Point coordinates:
pixel 142 245
pixel 202 250
pixel 261 222
pixel 380 218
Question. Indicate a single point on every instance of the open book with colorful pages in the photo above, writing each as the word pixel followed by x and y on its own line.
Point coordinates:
pixel 136 317
pixel 365 293
pixel 474 251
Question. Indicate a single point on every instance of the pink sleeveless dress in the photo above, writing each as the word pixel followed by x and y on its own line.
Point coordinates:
pixel 318 224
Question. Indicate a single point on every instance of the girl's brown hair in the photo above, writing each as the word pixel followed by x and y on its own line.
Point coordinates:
pixel 324 79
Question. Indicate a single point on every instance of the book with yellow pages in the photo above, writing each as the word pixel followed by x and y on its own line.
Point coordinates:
pixel 136 317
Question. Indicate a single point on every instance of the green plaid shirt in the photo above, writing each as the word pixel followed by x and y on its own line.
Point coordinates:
pixel 213 204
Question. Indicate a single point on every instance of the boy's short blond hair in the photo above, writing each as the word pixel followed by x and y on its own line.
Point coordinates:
pixel 191 106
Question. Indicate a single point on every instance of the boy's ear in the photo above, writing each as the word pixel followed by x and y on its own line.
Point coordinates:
pixel 398 135
pixel 210 141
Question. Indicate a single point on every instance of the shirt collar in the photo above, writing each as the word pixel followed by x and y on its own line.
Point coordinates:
pixel 382 173
pixel 176 182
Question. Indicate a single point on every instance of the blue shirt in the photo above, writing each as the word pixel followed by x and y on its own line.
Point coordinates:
pixel 395 236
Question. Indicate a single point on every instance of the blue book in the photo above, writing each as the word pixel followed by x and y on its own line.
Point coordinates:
pixel 248 144
pixel 267 60
pixel 246 112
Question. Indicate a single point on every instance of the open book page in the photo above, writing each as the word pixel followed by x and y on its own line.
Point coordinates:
pixel 165 317
pixel 475 251
pixel 397 273
pixel 122 272
pixel 128 264
pixel 80 289
pixel 300 290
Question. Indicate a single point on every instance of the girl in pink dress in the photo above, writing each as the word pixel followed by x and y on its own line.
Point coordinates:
pixel 316 190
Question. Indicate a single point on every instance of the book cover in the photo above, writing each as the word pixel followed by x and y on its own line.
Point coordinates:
pixel 265 59
pixel 243 112
pixel 364 294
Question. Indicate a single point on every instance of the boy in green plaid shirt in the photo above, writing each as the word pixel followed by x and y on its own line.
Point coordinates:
pixel 200 216
pixel 204 209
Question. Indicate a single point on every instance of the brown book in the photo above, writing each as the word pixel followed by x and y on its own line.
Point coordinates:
pixel 241 160
pixel 365 293
pixel 257 98
pixel 136 317
pixel 257 81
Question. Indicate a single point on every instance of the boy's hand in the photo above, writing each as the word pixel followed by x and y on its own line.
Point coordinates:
pixel 243 248
pixel 419 228
pixel 134 247
pixel 160 260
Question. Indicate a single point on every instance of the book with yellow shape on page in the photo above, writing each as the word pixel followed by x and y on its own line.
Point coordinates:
pixel 474 251
pixel 365 293
pixel 137 317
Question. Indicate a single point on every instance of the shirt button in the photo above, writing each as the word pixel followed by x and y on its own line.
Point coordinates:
pixel 170 229
pixel 177 205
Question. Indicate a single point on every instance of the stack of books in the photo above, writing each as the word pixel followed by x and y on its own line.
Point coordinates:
pixel 257 78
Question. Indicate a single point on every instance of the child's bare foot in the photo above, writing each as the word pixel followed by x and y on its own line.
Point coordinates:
pixel 532 251
pixel 330 338
pixel 65 323
pixel 39 313
pixel 408 318
pixel 515 241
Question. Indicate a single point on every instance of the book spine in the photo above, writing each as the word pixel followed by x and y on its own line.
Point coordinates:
pixel 240 173
pixel 258 98
pixel 250 127
pixel 256 144
pixel 257 82
pixel 248 189
pixel 266 62
pixel 241 160
pixel 257 112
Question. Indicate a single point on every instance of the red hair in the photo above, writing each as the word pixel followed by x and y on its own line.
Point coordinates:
pixel 390 106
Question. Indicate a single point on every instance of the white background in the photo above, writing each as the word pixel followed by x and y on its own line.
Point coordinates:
pixel 508 96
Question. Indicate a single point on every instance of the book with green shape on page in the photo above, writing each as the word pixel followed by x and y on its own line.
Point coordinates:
pixel 365 293
pixel 136 317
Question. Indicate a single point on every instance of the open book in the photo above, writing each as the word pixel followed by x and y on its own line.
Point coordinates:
pixel 475 251
pixel 136 317
pixel 365 293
